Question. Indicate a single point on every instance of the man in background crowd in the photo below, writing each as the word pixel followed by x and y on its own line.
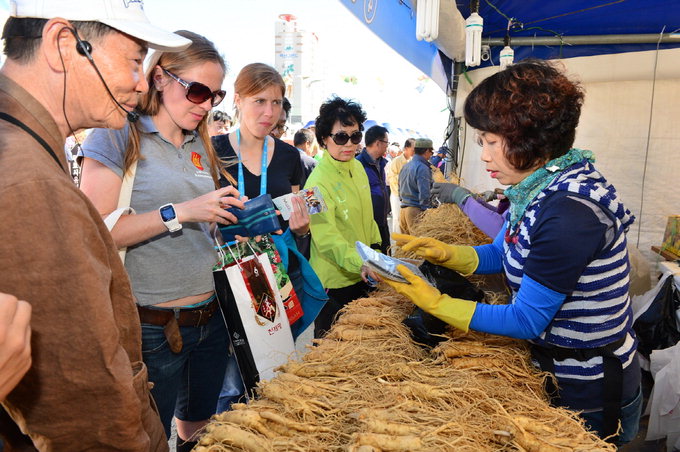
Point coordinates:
pixel 438 160
pixel 393 151
pixel 415 183
pixel 303 140
pixel 392 171
pixel 281 128
pixel 373 160
pixel 219 123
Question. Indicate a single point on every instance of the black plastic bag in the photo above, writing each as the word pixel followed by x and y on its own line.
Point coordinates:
pixel 657 328
pixel 450 282
pixel 427 329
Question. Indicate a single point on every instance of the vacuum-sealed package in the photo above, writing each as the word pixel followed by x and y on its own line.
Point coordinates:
pixel 386 266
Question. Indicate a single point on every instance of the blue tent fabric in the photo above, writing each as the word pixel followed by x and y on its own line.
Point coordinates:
pixel 576 18
pixel 370 123
pixel 394 22
pixel 389 127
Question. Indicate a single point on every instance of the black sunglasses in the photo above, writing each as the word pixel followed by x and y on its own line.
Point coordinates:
pixel 341 138
pixel 198 93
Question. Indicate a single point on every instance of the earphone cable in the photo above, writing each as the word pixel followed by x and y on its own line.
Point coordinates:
pixel 75 170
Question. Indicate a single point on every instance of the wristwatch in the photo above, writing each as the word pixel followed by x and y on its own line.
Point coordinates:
pixel 169 217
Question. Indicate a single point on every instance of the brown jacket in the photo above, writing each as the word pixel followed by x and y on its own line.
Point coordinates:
pixel 87 388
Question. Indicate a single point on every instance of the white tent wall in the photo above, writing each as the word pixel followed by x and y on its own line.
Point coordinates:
pixel 628 116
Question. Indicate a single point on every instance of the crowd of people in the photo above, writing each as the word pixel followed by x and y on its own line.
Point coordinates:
pixel 128 345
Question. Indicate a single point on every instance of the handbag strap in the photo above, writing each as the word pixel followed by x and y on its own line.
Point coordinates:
pixel 123 199
pixel 123 204
pixel 126 189
pixel 222 255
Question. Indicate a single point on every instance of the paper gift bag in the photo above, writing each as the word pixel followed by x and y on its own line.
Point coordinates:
pixel 266 245
pixel 255 316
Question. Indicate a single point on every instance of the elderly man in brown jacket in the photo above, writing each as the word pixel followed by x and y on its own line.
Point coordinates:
pixel 87 388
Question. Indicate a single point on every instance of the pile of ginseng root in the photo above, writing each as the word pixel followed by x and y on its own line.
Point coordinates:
pixel 367 387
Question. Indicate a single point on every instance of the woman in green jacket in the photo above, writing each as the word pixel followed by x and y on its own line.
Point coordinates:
pixel 349 218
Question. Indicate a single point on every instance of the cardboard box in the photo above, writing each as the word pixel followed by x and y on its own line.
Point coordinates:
pixel 671 237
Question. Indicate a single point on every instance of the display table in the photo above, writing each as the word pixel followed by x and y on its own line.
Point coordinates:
pixel 664 402
pixel 671 267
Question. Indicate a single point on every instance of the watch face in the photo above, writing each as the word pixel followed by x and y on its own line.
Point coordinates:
pixel 168 213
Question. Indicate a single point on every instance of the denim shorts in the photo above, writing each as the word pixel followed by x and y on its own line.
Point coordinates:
pixel 187 384
pixel 233 389
pixel 630 419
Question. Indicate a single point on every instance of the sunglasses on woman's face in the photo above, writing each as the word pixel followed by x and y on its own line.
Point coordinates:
pixel 198 93
pixel 341 138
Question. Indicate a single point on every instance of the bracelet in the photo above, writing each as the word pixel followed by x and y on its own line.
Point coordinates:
pixel 305 235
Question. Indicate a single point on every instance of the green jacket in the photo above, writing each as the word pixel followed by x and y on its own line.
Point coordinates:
pixel 345 189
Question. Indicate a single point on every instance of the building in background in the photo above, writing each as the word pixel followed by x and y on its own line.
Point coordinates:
pixel 298 60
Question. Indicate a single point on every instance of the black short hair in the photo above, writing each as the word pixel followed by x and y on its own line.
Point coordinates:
pixel 23 35
pixel 303 136
pixel 410 142
pixel 335 109
pixel 374 134
pixel 219 115
pixel 286 106
pixel 533 106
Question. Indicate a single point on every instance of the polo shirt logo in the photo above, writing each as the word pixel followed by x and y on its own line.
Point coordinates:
pixel 196 160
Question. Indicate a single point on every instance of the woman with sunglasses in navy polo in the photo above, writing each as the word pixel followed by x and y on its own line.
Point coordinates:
pixel 177 199
pixel 349 218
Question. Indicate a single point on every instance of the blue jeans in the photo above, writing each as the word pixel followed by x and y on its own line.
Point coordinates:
pixel 630 419
pixel 186 384
pixel 232 387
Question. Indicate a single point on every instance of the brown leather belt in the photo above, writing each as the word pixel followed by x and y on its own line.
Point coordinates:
pixel 185 317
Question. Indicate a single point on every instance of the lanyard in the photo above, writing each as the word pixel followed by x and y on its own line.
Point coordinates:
pixel 263 173
pixel 11 119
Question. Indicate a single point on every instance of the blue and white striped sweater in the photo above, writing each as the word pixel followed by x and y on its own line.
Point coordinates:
pixel 598 311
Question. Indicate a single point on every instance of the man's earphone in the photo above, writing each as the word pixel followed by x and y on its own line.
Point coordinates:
pixel 85 49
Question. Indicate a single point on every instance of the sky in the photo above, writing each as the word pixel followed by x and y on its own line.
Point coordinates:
pixel 389 87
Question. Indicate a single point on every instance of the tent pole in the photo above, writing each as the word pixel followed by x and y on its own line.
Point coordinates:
pixel 451 161
pixel 650 38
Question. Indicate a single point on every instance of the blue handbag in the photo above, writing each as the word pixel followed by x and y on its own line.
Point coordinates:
pixel 258 217
pixel 307 284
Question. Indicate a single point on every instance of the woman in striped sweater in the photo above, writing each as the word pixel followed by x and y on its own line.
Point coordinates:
pixel 563 249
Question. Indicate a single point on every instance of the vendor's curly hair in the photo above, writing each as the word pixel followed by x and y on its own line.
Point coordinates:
pixel 337 109
pixel 533 106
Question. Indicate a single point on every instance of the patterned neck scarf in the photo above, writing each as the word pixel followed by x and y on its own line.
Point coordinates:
pixel 523 193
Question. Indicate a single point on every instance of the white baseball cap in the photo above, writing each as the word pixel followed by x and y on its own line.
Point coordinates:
pixel 126 16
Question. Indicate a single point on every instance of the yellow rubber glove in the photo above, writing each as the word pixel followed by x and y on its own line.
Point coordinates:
pixel 462 259
pixel 454 311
